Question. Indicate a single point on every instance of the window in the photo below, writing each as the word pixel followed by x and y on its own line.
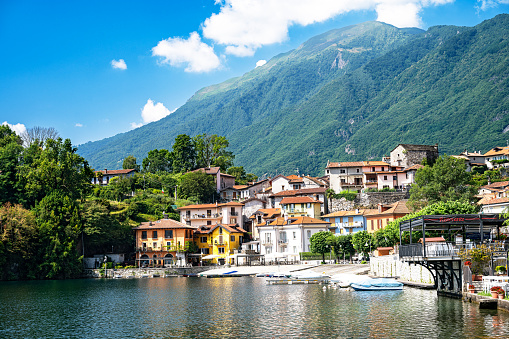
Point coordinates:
pixel 168 234
pixel 394 177
pixel 232 238
pixel 309 205
pixel 233 220
pixel 209 213
pixel 282 236
pixel 154 234
pixel 294 235
pixel 309 234
pixel 282 188
pixel 358 170
pixel 343 181
pixel 220 230
pixel 154 245
pixel 205 251
pixel 294 249
pixel 327 171
pixel 144 234
pixel 144 246
pixel 259 219
pixel 302 206
pixel 209 222
pixel 385 177
pixel 372 169
pixel 203 240
pixel 168 245
pixel 220 250
pixel 383 169
pixel 342 171
pixel 292 207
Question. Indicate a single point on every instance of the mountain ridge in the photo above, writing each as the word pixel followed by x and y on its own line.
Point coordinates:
pixel 351 93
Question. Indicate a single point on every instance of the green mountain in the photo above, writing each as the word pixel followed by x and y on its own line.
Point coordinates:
pixel 349 94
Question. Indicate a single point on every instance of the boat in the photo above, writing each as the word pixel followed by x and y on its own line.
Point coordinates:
pixel 346 279
pixel 379 284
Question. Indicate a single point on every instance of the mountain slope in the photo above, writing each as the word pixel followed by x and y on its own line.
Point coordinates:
pixel 348 94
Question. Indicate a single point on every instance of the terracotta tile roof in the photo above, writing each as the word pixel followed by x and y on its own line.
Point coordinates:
pixel 345 164
pixel 231 203
pixel 163 224
pixel 497 151
pixel 349 213
pixel 298 200
pixel 375 163
pixel 398 207
pixel 496 185
pixel 293 177
pixel 188 207
pixel 315 180
pixel 268 213
pixel 118 172
pixel 230 228
pixel 302 191
pixel 298 221
pixel 240 187
pixel 414 167
pixel 296 181
pixel 384 248
pixel 496 201
pixel 208 170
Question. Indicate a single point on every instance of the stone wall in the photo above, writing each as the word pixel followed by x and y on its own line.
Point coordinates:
pixel 391 266
pixel 367 200
pixel 144 272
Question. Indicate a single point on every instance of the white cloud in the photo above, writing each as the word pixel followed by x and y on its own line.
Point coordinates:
pixel 245 25
pixel 18 128
pixel 78 125
pixel 135 125
pixel 120 64
pixel 196 55
pixel 261 63
pixel 153 112
pixel 486 4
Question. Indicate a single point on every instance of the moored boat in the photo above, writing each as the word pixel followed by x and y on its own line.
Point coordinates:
pixel 380 284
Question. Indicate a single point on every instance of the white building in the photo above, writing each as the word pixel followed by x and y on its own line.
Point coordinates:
pixel 287 237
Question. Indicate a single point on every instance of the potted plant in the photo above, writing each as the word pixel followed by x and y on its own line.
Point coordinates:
pixel 468 263
pixel 501 293
pixel 494 291
pixel 501 270
pixel 471 288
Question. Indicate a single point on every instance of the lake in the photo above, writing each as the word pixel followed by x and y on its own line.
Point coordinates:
pixel 233 307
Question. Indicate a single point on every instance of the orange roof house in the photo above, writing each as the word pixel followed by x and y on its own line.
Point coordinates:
pixel 386 214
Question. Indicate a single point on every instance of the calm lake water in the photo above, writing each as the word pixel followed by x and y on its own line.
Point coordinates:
pixel 233 307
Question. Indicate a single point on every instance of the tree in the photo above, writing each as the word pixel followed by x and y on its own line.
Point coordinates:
pixel 321 243
pixel 447 180
pixel 198 186
pixel 363 242
pixel 60 228
pixel 184 156
pixel 342 245
pixel 18 243
pixel 130 163
pixel 211 151
pixel 158 161
pixel 38 135
pixel 57 167
pixel 10 159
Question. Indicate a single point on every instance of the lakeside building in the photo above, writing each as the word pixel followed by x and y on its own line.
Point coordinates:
pixel 211 214
pixel 219 243
pixel 285 237
pixel 386 214
pixel 497 153
pixel 348 222
pixel 222 180
pixel 162 242
pixel 300 207
pixel 315 193
pixel 104 177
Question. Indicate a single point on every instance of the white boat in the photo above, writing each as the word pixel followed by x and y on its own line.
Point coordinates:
pixel 346 279
pixel 380 284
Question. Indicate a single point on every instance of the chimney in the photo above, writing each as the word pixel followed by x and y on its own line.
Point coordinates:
pixel 356 211
pixel 105 171
pixel 379 208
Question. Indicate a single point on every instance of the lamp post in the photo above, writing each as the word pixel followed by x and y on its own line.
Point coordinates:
pixel 105 267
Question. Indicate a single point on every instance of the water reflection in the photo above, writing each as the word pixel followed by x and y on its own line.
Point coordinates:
pixel 233 307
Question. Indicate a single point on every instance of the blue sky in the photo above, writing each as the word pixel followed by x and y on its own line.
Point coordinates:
pixel 93 69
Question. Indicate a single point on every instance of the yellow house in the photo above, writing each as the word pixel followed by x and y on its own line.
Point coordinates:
pixel 217 243
pixel 301 207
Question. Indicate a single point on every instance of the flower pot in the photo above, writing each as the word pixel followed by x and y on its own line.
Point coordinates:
pixel 476 277
pixel 494 295
pixel 501 296
pixel 471 291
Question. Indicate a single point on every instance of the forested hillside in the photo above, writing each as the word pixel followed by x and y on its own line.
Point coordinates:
pixel 348 94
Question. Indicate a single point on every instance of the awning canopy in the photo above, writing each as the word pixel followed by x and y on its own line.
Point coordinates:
pixel 211 256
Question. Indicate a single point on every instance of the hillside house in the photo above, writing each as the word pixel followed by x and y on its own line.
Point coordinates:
pixel 317 193
pixel 211 214
pixel 218 243
pixel 104 177
pixel 222 180
pixel 385 214
pixel 300 207
pixel 497 153
pixel 472 159
pixel 406 155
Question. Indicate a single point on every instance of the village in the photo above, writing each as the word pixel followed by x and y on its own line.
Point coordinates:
pixel 272 221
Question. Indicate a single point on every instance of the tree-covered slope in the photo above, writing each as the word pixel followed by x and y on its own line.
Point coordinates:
pixel 351 93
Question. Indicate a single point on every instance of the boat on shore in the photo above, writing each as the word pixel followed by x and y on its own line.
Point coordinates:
pixel 380 284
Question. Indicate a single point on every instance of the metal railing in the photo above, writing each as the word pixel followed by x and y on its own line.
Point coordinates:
pixel 445 249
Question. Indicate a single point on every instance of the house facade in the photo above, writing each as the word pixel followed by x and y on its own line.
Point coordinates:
pixel 211 214
pixel 162 242
pixel 104 177
pixel 286 237
pixel 300 207
pixel 385 214
pixel 406 155
pixel 317 193
pixel 347 222
pixel 218 243
pixel 222 180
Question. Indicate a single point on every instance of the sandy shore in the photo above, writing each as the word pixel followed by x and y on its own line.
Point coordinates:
pixel 325 269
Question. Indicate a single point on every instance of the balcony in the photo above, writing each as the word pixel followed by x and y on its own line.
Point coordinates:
pixel 204 216
pixel 444 249
pixel 234 214
pixel 267 243
pixel 283 242
pixel 351 224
